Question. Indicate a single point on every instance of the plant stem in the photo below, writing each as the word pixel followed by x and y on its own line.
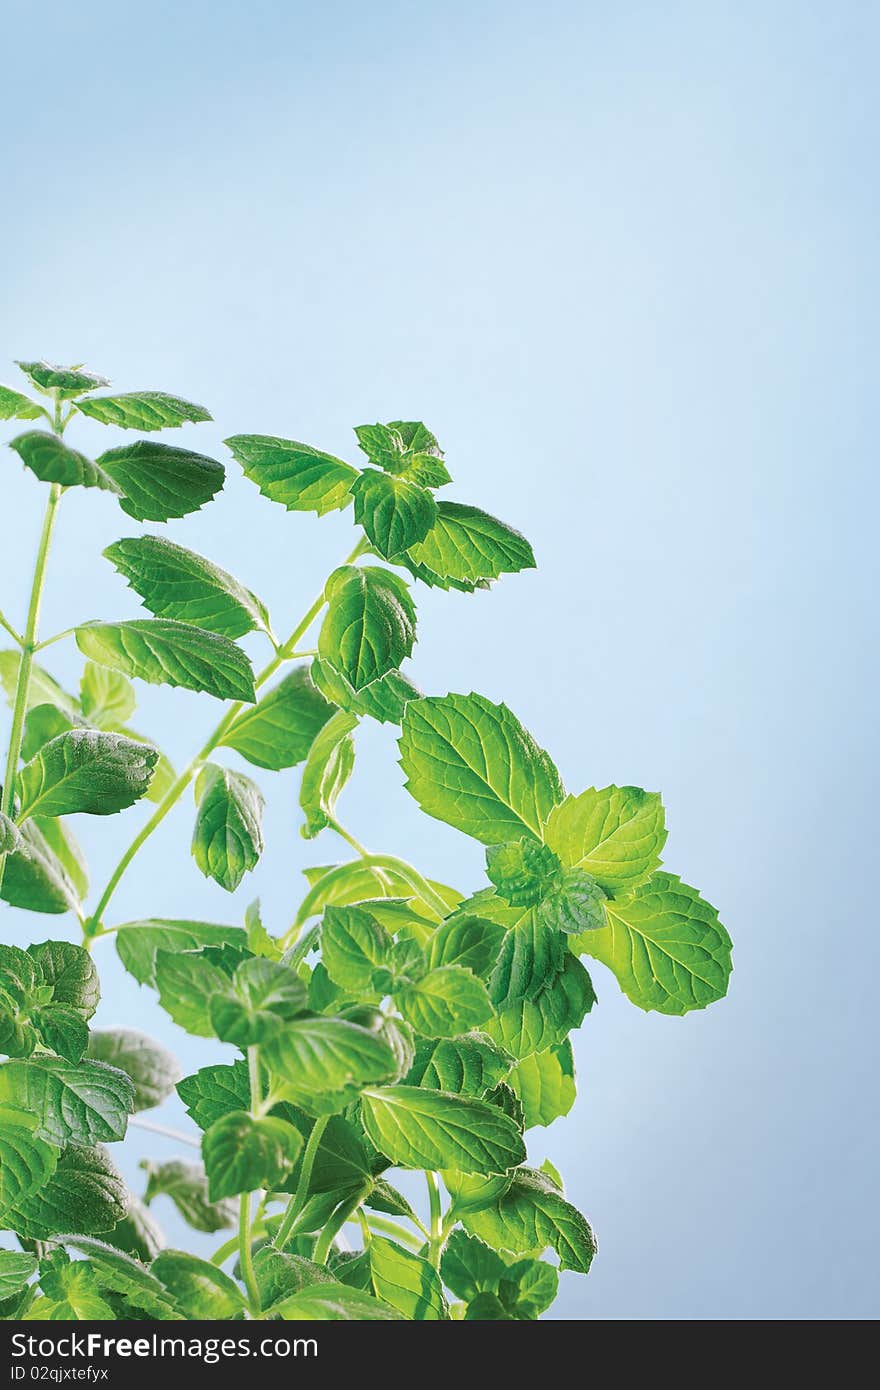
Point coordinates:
pixel 230 1246
pixel 436 1242
pixel 166 1131
pixel 298 1200
pixel 25 665
pixel 349 838
pixel 179 786
pixel 16 637
pixel 390 1228
pixel 245 1255
pixel 336 1223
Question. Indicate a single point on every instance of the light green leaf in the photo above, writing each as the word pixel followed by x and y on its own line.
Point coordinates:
pixel 532 1215
pixel 280 1274
pixel 615 834
pixel 15 1270
pixel 62 1030
pixel 357 881
pixel 66 849
pixel 281 728
pixel 242 1154
pixel 200 1289
pixel 43 723
pixel 326 1061
pixel 533 1025
pixel 383 700
pixel 152 1069
pixel 174 582
pixel 26 1161
pixel 137 943
pixel 522 871
pixel 416 1128
pixel 466 1066
pixel 85 1194
pixel 35 878
pixel 467 547
pixel 466 939
pixel 444 1002
pixel 160 482
pixel 71 1290
pixel 545 1083
pixel 395 514
pixel 186 982
pixel 472 764
pixel 88 771
pixel 107 698
pixel 260 999
pixel 406 1281
pixel 142 410
pixel 15 406
pixel 186 1184
pixel 43 689
pixel 120 1274
pixel 575 904
pixel 370 624
pixel 214 1091
pixel 166 652
pixel 405 449
pixel 67 381
pixel 228 836
pixel 301 478
pixel 328 767
pixel 79 1103
pixel 353 945
pixel 53 461
pixel 333 1303
pixel 666 946
pixel 164 775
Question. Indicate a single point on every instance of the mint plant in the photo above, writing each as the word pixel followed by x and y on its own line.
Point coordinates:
pixel 398 1023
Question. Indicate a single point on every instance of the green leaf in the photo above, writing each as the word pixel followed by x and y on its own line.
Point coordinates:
pixel 43 723
pixel 406 1281
pixel 200 1289
pixel 301 478
pixel 152 1069
pixel 85 1193
pixel 214 1091
pixel 187 1186
pixel 26 1162
pixel 341 1162
pixel 242 1154
pixel 370 625
pixel 62 1030
pixel 119 1273
pixel 279 1274
pixel 80 1103
pixel 416 1128
pixel 466 939
pixel 333 1303
pixel 228 836
pixel 466 1066
pixel 261 998
pixel 85 770
pixel 71 1291
pixel 326 1061
pixel 15 1270
pixel 10 835
pixel 495 1287
pixel 67 381
pixel 615 834
pixel 532 1215
pixel 384 1197
pixel 177 583
pixel 666 946
pixel 522 871
pixel 472 764
pixel 137 943
pixel 35 878
pixel 107 699
pixel 142 410
pixel 53 461
pixel 406 449
pixel 159 481
pixel 545 1083
pixel 20 988
pixel 165 652
pixel 395 514
pixel 470 1267
pixel 575 904
pixel 43 689
pixel 533 1025
pixel 328 767
pixel 353 945
pixel 138 1233
pixel 444 1002
pixel 164 775
pixel 466 548
pixel 186 982
pixel 383 700
pixel 15 406
pixel 66 849
pixel 357 881
pixel 281 728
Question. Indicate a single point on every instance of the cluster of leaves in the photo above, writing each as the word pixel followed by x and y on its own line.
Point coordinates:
pixel 399 1023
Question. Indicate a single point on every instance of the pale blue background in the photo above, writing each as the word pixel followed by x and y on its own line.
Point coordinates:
pixel 622 258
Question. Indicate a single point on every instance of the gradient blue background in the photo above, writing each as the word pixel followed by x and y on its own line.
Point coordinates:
pixel 622 258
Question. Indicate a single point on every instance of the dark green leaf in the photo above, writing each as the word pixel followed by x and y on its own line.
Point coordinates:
pixel 119 1273
pixel 533 1025
pixel 533 1215
pixel 523 871
pixel 333 1303
pixel 466 939
pixel 228 836
pixel 444 1002
pixel 71 973
pixel 66 849
pixel 186 982
pixel 328 767
pixel 79 1103
pixel 26 1162
pixel 383 700
pixel 261 998
pixel 405 448
pixel 395 514
pixel 280 1274
pixel 86 1194
pixel 200 1289
pixel 36 878
pixel 353 945
pixel 215 1091
pixel 62 1030
pixel 43 723
pixel 281 728
pixel 15 1271
pixel 153 1070
pixel 85 770
pixel 67 381
pixel 159 481
pixel 370 625
pixel 301 478
pixel 242 1154
pixel 466 1066
pixel 53 461
pixel 177 583
pixel 165 652
pixel 326 1061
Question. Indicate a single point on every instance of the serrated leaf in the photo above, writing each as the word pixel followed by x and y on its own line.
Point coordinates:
pixel 328 767
pixel 406 1281
pixel 261 998
pixel 444 1002
pixel 151 1068
pixel 43 689
pixel 394 513
pixel 85 1193
pixel 119 1273
pixel 142 410
pixel 575 904
pixel 467 548
pixel 545 1083
pixel 297 476
pixel 87 771
pixel 353 945
pixel 164 775
pixel 416 1128
pixel 186 1184
pixel 174 582
pixel 166 652
pixel 384 1197
pixel 471 763
pixel 107 698
pixel 214 1091
pixel 326 1061
pixel 279 1274
pixel 466 939
pixel 532 1215
pixel 67 381
pixel 26 1161
pixel 616 834
pixel 383 700
pixel 469 1065
pixel 228 835
pixel 53 461
pixel 71 1291
pixel 533 1025
pixel 159 481
pixel 333 1303
pixel 666 946
pixel 15 1271
pixel 242 1153
pixel 281 728
pixel 15 406
pixel 370 624
pixel 62 1030
pixel 78 1103
pixel 406 449
pixel 522 871
pixel 186 983
pixel 138 942
pixel 36 878
pixel 357 881
pixel 200 1289
pixel 43 723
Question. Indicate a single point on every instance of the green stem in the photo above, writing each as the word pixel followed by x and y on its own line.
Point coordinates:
pixel 16 637
pixel 390 1228
pixel 230 1246
pixel 179 786
pixel 165 1130
pixel 245 1254
pixel 336 1223
pixel 25 665
pixel 348 837
pixel 298 1200
pixel 435 1244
